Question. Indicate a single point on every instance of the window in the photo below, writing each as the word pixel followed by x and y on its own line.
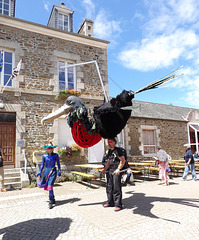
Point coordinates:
pixel 66 76
pixel 5 7
pixel 7 67
pixel 149 143
pixel 63 22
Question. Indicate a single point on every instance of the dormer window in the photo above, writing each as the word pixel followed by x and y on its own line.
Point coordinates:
pixel 61 18
pixel 5 7
pixel 63 22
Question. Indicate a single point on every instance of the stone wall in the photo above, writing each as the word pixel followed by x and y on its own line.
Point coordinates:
pixel 40 54
pixel 172 136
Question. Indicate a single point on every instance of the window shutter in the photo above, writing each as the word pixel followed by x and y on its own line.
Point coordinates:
pixel 12 8
pixel 71 22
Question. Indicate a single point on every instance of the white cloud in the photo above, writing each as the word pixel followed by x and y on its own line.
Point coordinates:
pixel 188 83
pixel 167 16
pixel 47 6
pixel 159 52
pixel 192 98
pixel 90 8
pixel 106 28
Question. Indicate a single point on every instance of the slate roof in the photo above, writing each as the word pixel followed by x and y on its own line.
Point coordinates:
pixel 159 111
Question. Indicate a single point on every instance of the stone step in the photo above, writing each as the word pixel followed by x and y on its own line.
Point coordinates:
pixel 9 174
pixel 13 185
pixel 9 167
pixel 12 179
pixel 11 170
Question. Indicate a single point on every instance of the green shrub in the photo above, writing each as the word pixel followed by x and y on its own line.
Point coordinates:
pixel 65 177
pixel 32 184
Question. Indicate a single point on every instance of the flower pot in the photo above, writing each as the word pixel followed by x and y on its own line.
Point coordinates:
pixel 75 153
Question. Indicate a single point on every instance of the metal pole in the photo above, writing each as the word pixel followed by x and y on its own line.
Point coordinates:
pixel 25 160
pixel 6 84
pixel 97 67
pixel 15 72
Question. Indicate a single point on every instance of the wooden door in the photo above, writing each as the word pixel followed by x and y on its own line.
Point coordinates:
pixel 7 141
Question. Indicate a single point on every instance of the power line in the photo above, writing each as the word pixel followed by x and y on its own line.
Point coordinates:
pixel 121 88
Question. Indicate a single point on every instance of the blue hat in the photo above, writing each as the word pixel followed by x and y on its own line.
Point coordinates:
pixel 50 145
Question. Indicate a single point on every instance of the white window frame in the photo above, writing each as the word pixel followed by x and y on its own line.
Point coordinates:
pixel 66 70
pixel 156 139
pixel 120 139
pixel 3 69
pixel 9 8
pixel 191 125
pixel 61 25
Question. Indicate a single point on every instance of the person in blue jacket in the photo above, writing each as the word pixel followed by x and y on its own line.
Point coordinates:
pixel 48 161
pixel 189 163
pixel 195 156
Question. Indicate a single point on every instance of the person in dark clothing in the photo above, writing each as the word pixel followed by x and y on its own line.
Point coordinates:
pixel 104 161
pixel 189 163
pixel 115 162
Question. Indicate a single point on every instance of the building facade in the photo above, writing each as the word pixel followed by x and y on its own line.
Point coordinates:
pixel 26 99
pixel 152 125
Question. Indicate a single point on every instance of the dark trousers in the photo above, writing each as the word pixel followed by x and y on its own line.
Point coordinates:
pixel 114 189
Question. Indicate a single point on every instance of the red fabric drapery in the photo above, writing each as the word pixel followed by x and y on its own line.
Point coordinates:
pixel 83 137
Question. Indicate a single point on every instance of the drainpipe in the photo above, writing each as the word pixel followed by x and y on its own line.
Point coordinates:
pixel 25 160
pixel 188 134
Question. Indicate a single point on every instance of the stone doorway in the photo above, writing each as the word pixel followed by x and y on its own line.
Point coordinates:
pixel 8 136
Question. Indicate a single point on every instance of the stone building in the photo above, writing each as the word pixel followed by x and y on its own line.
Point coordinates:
pixel 152 125
pixel 26 99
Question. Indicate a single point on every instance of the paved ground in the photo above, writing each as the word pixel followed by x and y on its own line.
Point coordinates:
pixel 151 211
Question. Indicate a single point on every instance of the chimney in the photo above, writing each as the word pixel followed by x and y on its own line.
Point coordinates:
pixel 86 28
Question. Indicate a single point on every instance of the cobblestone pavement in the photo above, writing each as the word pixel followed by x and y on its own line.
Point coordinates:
pixel 151 211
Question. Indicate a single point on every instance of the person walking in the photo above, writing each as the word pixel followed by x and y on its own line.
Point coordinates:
pixel 2 158
pixel 48 161
pixel 163 165
pixel 189 163
pixel 115 162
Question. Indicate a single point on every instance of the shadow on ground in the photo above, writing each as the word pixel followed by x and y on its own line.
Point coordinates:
pixel 62 202
pixel 142 204
pixel 36 229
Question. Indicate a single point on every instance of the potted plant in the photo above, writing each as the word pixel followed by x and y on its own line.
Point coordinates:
pixel 65 93
pixel 65 151
pixel 76 149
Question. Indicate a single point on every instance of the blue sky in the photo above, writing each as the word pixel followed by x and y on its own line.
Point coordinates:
pixel 148 39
